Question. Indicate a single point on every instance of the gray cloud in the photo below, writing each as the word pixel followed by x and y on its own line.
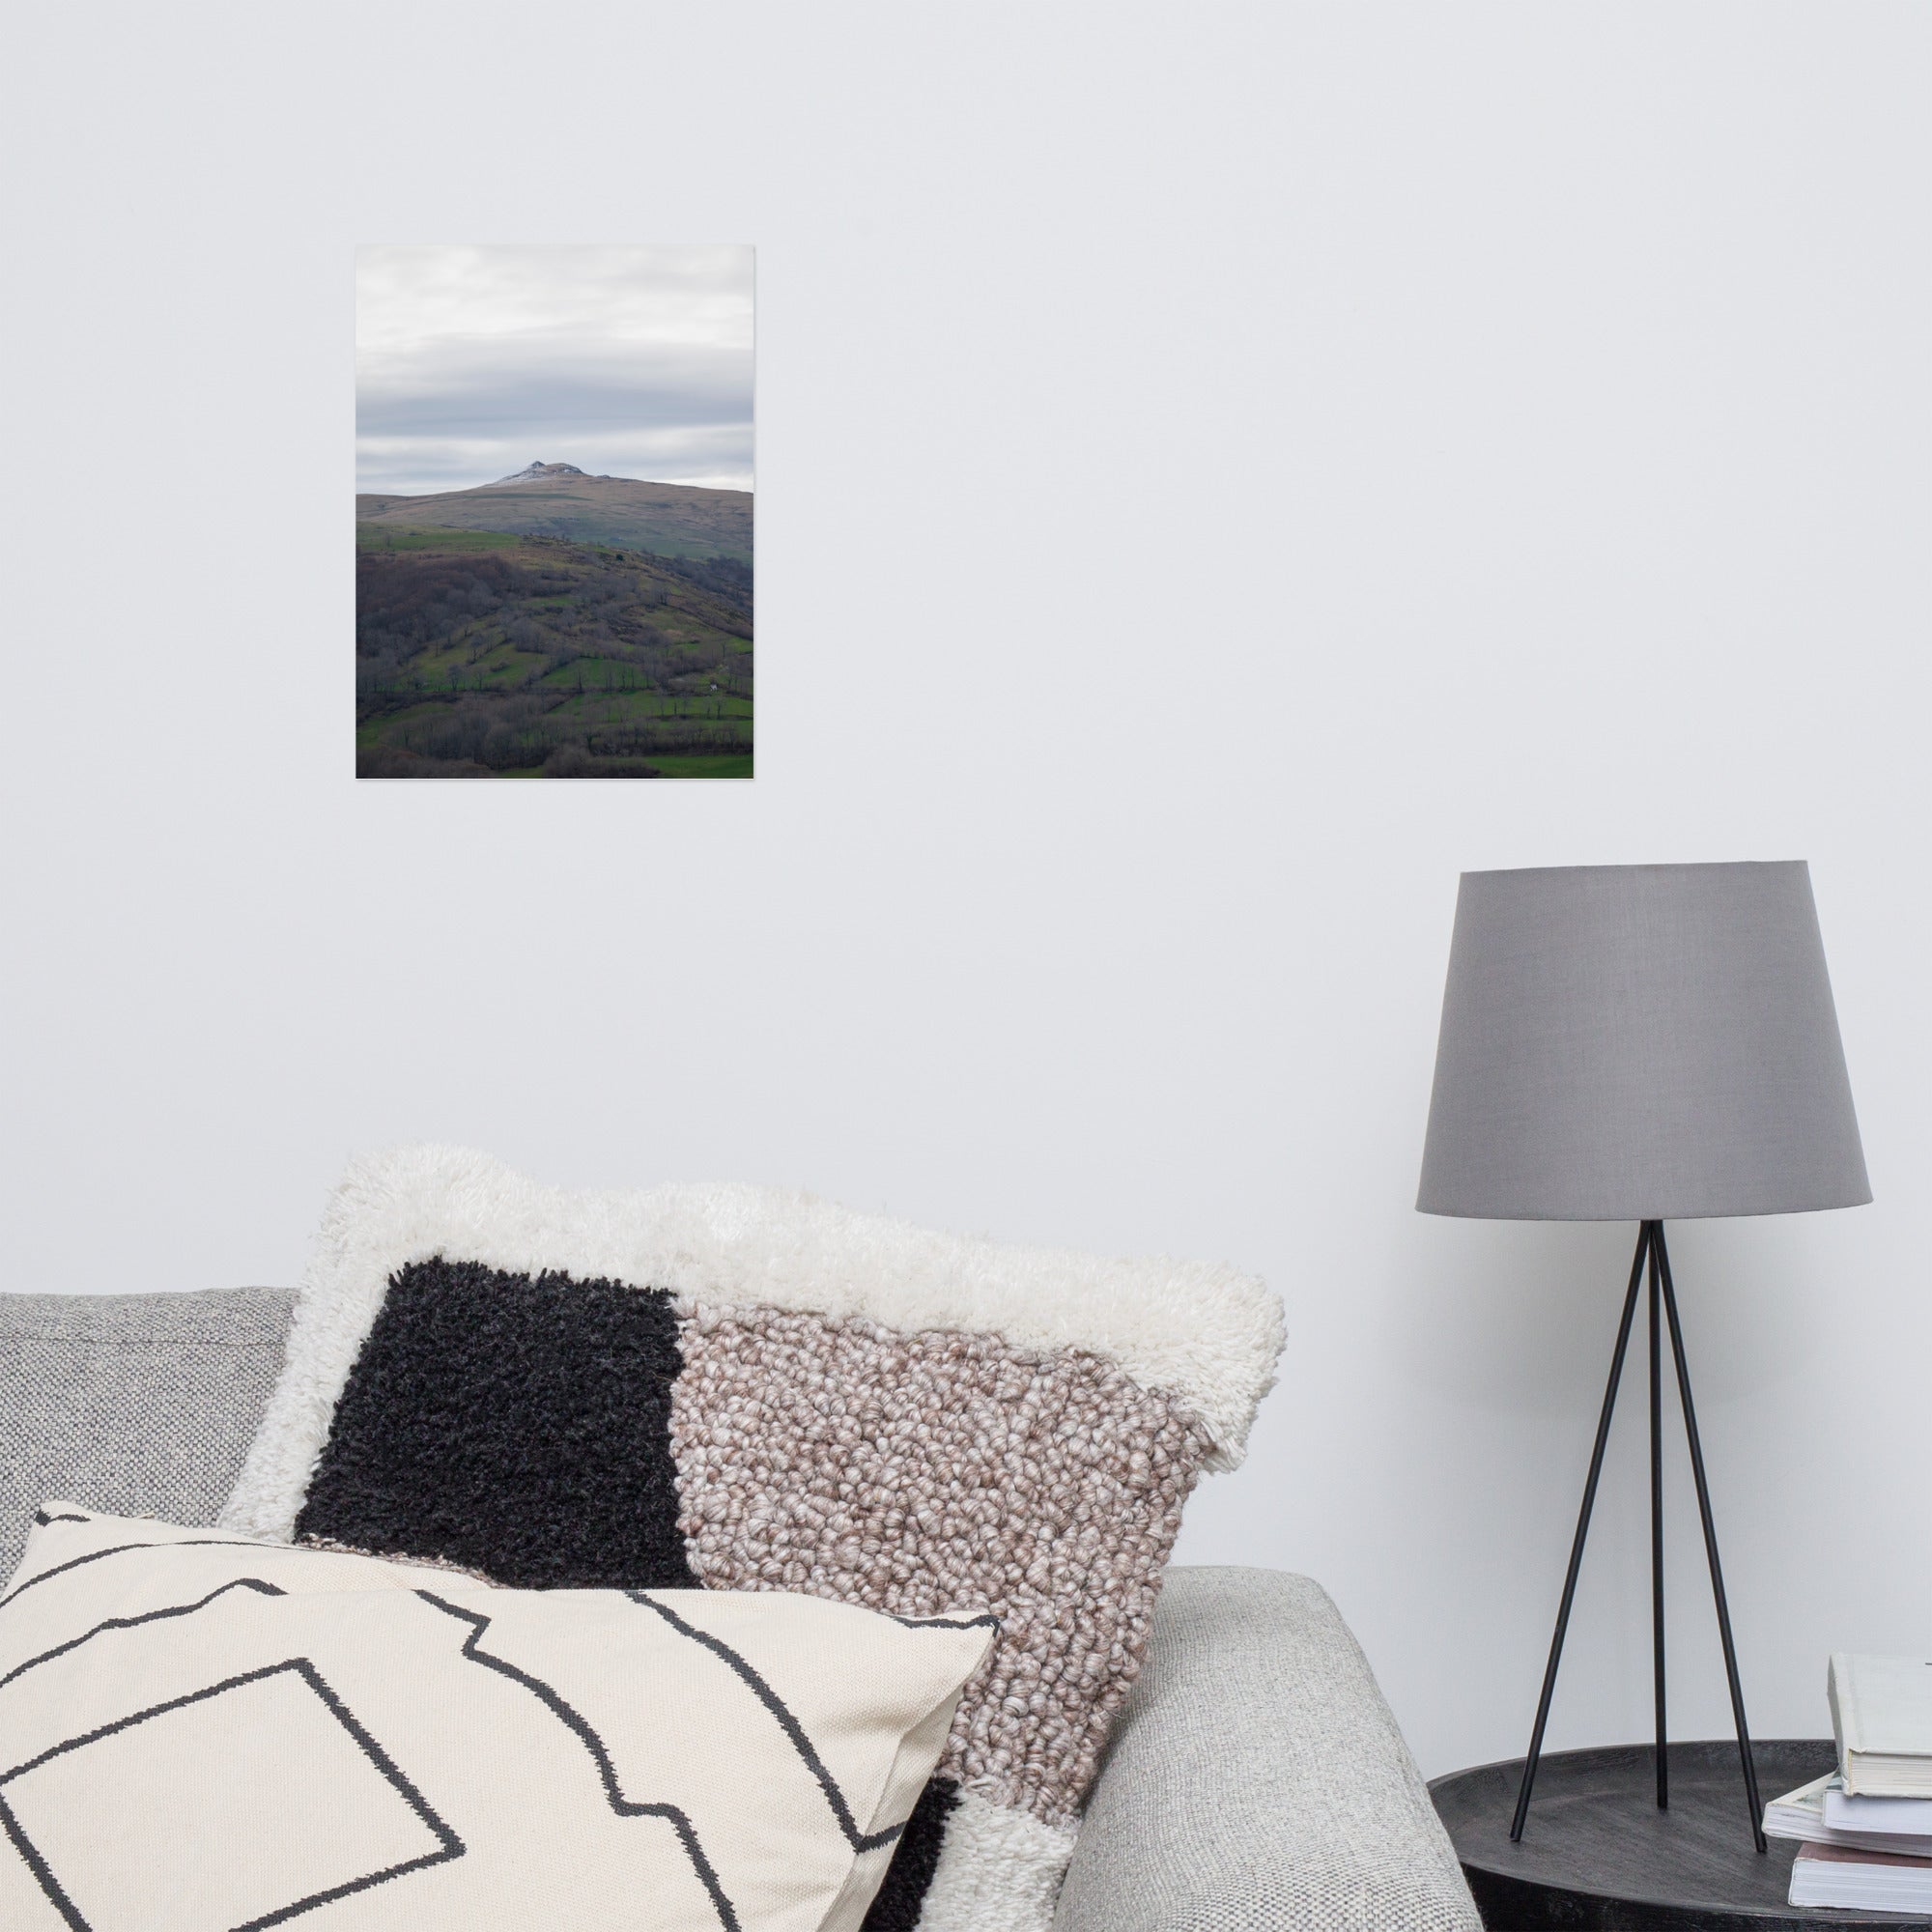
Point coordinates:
pixel 471 362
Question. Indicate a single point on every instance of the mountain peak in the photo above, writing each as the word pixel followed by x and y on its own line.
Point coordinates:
pixel 537 472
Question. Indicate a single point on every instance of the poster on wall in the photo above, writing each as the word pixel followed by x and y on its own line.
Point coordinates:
pixel 554 512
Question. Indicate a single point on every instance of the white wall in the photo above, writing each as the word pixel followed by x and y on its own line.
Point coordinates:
pixel 1223 470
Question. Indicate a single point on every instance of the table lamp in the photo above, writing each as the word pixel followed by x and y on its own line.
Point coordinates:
pixel 1640 1043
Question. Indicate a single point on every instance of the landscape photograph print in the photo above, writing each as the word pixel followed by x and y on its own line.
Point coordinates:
pixel 553 454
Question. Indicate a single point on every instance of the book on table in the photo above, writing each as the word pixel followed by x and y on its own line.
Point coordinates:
pixel 1882 1718
pixel 1860 1881
pixel 1821 1813
pixel 1900 1818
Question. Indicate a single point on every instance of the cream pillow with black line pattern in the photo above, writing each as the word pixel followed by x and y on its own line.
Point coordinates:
pixel 205 1733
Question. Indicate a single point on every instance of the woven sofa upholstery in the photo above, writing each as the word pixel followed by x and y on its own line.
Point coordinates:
pixel 1256 1778
pixel 140 1405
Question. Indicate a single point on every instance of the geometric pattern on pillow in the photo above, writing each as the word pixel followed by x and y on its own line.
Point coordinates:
pixel 753 1390
pixel 177 1830
pixel 200 1733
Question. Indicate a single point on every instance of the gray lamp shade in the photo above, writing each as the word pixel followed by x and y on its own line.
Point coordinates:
pixel 1639 1042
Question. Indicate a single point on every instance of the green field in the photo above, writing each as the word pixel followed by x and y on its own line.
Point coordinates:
pixel 494 654
pixel 370 536
pixel 726 766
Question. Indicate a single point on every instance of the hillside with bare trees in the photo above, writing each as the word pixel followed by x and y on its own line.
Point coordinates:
pixel 491 654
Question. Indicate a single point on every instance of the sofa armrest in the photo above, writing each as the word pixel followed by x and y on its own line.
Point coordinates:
pixel 1257 1779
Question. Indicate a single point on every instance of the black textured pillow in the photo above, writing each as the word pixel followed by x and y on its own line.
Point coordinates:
pixel 515 1424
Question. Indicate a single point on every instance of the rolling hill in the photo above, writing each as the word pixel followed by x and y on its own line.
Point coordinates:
pixel 557 499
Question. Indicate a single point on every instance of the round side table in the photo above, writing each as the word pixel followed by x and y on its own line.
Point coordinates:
pixel 1598 1855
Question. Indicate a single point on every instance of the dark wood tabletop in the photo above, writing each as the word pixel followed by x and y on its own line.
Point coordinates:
pixel 1598 1855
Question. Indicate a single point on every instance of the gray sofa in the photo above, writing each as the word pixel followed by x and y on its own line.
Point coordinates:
pixel 1256 1778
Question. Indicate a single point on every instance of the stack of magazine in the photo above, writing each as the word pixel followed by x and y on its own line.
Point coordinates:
pixel 1866 1829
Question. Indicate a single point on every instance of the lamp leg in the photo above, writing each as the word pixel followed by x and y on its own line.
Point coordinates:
pixel 1656 1519
pixel 1643 1242
pixel 1662 1263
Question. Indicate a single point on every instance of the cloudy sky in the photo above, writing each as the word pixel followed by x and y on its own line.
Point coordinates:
pixel 473 362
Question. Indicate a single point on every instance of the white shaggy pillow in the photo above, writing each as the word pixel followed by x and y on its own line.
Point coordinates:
pixel 200 1733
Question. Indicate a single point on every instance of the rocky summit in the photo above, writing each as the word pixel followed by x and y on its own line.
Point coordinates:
pixel 539 472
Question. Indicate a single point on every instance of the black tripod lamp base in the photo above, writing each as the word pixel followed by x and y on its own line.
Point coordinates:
pixel 1653 1257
